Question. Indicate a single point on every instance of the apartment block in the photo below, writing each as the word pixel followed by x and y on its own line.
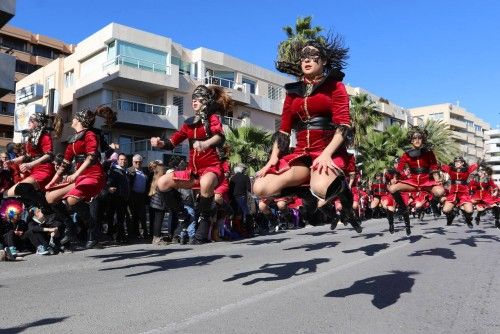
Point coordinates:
pixel 28 53
pixel 492 146
pixel 468 130
pixel 7 61
pixel 393 114
pixel 148 79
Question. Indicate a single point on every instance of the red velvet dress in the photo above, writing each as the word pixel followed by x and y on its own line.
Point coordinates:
pixel 420 168
pixel 482 193
pixel 44 172
pixel 223 187
pixel 329 100
pixel 459 190
pixel 199 163
pixel 92 180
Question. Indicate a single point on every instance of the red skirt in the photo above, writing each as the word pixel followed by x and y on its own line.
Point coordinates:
pixel 420 181
pixel 458 198
pixel 89 184
pixel 388 199
pixel 223 190
pixel 43 174
pixel 484 199
pixel 188 174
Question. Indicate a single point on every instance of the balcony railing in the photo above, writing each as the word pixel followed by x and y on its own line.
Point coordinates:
pixel 144 147
pixel 155 109
pixel 211 80
pixel 137 63
pixel 231 122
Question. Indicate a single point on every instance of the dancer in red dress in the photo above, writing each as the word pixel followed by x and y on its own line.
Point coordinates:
pixel 317 107
pixel 206 136
pixel 423 166
pixel 485 194
pixel 89 177
pixel 458 195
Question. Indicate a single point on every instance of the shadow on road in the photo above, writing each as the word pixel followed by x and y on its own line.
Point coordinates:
pixel 263 241
pixel 171 264
pixel 443 252
pixel 476 231
pixel 368 235
pixel 318 246
pixel 437 230
pixel 319 233
pixel 38 323
pixel 369 250
pixel 279 271
pixel 137 254
pixel 473 240
pixel 412 238
pixel 386 289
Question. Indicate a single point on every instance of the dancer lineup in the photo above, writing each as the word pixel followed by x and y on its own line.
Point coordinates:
pixel 315 182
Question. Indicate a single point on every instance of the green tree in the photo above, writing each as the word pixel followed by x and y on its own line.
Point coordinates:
pixel 441 141
pixel 249 145
pixel 303 29
pixel 365 115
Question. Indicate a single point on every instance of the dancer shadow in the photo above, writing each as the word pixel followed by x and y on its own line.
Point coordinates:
pixel 369 250
pixel 318 246
pixel 476 231
pixel 412 238
pixel 368 235
pixel 171 264
pixel 262 241
pixel 386 289
pixel 30 325
pixel 138 254
pixel 437 230
pixel 443 252
pixel 473 240
pixel 279 271
pixel 319 233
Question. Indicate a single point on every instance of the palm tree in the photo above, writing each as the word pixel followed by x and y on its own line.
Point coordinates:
pixel 249 145
pixel 364 115
pixel 303 29
pixel 441 141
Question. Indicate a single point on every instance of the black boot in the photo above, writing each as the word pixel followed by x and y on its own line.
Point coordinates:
pixel 330 214
pixel 420 214
pixel 28 192
pixel 435 208
pixel 204 207
pixel 62 214
pixel 390 218
pixel 496 213
pixel 285 217
pixel 468 219
pixel 402 209
pixel 478 217
pixel 407 224
pixel 82 209
pixel 340 188
pixel 449 217
pixel 308 210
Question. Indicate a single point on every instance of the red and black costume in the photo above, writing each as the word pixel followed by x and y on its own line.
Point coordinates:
pixel 43 172
pixel 482 193
pixel 459 190
pixel 422 162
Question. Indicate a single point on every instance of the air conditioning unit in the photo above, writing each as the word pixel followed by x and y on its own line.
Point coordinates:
pixel 239 87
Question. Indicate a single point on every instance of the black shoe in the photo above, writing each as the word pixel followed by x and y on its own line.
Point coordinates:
pixel 333 225
pixel 497 224
pixel 391 228
pixel 195 241
pixel 477 220
pixel 68 237
pixel 470 225
pixel 408 230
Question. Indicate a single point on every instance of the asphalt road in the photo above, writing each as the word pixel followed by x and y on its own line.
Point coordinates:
pixel 313 280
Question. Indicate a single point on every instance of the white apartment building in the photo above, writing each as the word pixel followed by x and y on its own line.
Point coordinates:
pixel 393 114
pixel 493 151
pixel 148 79
pixel 468 130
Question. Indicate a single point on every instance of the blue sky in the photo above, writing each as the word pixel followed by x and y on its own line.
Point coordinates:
pixel 413 53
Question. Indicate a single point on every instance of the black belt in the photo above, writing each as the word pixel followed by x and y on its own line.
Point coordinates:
pixel 80 158
pixel 316 123
pixel 419 170
pixel 458 182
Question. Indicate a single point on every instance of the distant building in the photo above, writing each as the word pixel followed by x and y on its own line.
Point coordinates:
pixel 468 130
pixel 493 151
pixel 29 52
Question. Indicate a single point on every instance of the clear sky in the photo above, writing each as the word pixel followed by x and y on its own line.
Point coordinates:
pixel 412 53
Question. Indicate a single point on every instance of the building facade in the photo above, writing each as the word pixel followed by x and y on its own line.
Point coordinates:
pixel 29 52
pixel 7 61
pixel 493 153
pixel 469 131
pixel 148 79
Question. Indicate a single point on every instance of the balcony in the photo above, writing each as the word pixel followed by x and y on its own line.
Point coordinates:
pixel 144 148
pixel 232 122
pixel 238 91
pixel 130 73
pixel 266 104
pixel 459 135
pixel 133 113
pixel 458 124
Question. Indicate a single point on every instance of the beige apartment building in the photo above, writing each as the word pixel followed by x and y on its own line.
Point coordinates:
pixel 30 52
pixel 468 130
pixel 493 153
pixel 148 79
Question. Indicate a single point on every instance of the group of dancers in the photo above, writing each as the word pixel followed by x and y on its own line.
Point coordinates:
pixel 318 170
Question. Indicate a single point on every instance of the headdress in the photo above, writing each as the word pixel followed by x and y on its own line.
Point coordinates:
pixel 418 130
pixel 331 49
pixel 42 121
pixel 205 95
pixel 86 117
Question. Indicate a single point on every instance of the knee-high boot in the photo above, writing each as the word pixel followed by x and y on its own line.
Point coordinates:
pixel 339 188
pixel 402 208
pixel 330 214
pixel 62 214
pixel 449 217
pixel 204 207
pixel 478 217
pixel 390 218
pixel 468 219
pixel 496 214
pixel 28 192
pixel 174 203
pixel 308 210
pixel 435 208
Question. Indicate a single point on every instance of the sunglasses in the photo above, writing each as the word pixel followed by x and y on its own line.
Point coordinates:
pixel 417 137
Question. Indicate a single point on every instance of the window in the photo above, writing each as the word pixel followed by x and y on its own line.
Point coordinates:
pixel 277 124
pixel 436 116
pixel 251 83
pixel 14 43
pixel 69 78
pixel 179 102
pixel 184 67
pixel 125 143
pixel 274 92
pixel 469 123
pixel 224 79
pixel 49 83
pixel 477 128
pixel 26 68
pixel 43 51
pixel 7 108
pixel 141 57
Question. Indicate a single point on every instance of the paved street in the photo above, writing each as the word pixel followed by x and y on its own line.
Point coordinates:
pixel 440 280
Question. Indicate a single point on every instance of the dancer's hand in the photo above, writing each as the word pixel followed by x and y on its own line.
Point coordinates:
pixel 200 146
pixel 324 163
pixel 157 142
pixel 263 171
pixel 71 178
pixel 25 167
